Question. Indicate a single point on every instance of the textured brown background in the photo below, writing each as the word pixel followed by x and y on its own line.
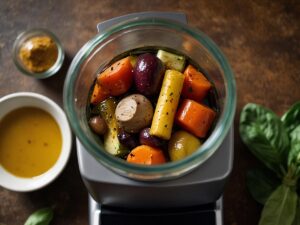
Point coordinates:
pixel 261 40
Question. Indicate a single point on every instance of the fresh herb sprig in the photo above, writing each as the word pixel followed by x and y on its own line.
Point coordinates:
pixel 276 143
pixel 40 217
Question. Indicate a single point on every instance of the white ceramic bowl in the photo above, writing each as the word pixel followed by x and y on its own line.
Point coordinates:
pixel 23 99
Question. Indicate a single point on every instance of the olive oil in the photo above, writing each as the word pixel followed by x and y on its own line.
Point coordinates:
pixel 30 142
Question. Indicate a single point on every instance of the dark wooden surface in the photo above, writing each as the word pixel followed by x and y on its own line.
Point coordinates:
pixel 261 40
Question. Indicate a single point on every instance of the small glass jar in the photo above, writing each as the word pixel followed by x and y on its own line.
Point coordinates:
pixel 27 40
pixel 137 33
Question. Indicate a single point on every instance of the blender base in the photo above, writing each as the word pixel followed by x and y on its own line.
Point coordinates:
pixel 208 214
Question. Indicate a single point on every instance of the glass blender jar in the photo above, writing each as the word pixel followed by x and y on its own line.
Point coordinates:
pixel 138 33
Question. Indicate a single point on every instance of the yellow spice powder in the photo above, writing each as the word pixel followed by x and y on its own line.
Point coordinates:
pixel 38 54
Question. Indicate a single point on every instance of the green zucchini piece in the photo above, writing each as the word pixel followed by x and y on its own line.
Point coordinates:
pixel 171 61
pixel 111 142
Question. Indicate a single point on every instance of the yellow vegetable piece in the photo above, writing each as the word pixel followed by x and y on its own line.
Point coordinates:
pixel 182 144
pixel 167 103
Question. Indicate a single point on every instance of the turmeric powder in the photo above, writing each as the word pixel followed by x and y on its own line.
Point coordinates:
pixel 38 54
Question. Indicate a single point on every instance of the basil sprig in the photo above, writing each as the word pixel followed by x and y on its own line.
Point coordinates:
pixel 40 217
pixel 261 184
pixel 276 143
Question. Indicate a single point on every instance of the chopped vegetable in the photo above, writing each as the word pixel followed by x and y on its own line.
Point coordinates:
pixel 195 117
pixel 167 103
pixel 171 61
pixel 182 144
pixel 127 139
pixel 148 74
pixel 195 85
pixel 99 94
pixel 98 125
pixel 111 141
pixel 147 139
pixel 133 60
pixel 134 113
pixel 117 78
pixel 147 155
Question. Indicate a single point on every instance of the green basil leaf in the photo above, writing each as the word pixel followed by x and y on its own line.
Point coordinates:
pixel 264 134
pixel 291 119
pixel 280 208
pixel 297 217
pixel 40 217
pixel 294 155
pixel 261 183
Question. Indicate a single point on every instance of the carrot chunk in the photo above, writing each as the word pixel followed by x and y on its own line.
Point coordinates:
pixel 147 155
pixel 99 94
pixel 195 85
pixel 117 78
pixel 195 117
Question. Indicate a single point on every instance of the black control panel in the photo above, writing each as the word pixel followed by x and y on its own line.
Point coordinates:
pixel 204 215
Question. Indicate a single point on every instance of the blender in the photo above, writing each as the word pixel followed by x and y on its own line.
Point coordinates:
pixel 184 192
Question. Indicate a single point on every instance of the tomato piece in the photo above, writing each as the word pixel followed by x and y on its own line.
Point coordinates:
pixel 117 78
pixel 195 85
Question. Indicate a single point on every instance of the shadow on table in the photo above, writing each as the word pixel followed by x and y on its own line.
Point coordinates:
pixel 56 82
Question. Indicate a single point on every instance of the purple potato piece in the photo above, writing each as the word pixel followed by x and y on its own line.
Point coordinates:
pixel 148 74
pixel 147 139
pixel 127 139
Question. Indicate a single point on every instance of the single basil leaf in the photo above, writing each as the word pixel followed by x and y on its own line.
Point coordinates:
pixel 40 217
pixel 280 208
pixel 294 155
pixel 291 119
pixel 297 217
pixel 261 183
pixel 264 134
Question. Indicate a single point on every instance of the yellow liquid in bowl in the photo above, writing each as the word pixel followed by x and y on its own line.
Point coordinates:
pixel 30 142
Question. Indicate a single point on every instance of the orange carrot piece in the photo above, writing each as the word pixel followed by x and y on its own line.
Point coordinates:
pixel 147 155
pixel 195 117
pixel 117 78
pixel 195 85
pixel 99 94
